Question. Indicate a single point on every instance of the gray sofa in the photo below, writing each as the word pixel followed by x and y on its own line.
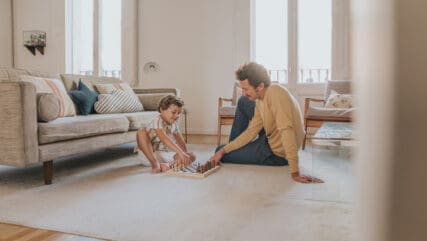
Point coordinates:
pixel 24 141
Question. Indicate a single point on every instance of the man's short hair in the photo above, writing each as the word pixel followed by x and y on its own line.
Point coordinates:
pixel 254 73
pixel 169 100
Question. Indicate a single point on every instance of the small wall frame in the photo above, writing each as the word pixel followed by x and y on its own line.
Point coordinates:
pixel 35 39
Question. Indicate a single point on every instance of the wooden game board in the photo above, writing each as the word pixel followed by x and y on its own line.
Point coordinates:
pixel 190 171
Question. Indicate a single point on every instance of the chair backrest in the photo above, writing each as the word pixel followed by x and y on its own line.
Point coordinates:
pixel 237 92
pixel 340 86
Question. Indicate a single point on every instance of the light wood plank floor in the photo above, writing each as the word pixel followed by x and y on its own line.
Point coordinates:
pixel 10 232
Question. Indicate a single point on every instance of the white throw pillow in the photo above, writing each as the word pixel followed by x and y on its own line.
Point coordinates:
pixel 336 100
pixel 56 87
pixel 118 101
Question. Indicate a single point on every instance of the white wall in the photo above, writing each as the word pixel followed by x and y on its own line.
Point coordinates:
pixel 389 65
pixel 44 15
pixel 198 44
pixel 6 34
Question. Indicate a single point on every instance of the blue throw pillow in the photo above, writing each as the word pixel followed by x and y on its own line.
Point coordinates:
pixel 84 98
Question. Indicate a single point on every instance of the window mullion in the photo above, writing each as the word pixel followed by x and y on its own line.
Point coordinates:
pixel 292 44
pixel 96 37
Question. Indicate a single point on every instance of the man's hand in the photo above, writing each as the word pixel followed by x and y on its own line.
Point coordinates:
pixel 192 156
pixel 215 159
pixel 305 178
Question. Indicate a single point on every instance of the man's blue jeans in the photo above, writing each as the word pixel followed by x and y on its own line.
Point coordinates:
pixel 257 152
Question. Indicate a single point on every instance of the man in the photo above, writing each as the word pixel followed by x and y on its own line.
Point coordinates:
pixel 267 129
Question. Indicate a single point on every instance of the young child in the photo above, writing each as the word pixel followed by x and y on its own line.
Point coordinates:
pixel 161 142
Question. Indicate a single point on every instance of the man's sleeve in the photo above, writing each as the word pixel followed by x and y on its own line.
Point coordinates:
pixel 255 126
pixel 282 106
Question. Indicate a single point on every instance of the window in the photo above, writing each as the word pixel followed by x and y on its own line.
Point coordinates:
pixel 271 37
pixel 314 40
pixel 292 39
pixel 110 38
pixel 94 37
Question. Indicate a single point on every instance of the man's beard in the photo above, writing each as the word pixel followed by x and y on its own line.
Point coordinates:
pixel 256 94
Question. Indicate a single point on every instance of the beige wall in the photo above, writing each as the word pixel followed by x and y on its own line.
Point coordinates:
pixel 197 44
pixel 409 196
pixel 389 66
pixel 44 15
pixel 6 34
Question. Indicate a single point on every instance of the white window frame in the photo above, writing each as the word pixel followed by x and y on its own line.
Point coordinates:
pixel 339 47
pixel 129 33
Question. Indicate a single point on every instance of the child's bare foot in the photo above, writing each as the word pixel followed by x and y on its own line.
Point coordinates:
pixel 156 170
pixel 164 167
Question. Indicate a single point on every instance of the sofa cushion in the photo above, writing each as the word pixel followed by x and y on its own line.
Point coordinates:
pixel 333 113
pixel 118 102
pixel 68 128
pixel 12 74
pixel 151 101
pixel 108 88
pixel 140 120
pixel 48 107
pixel 336 100
pixel 71 81
pixel 84 98
pixel 56 87
pixel 339 86
pixel 227 111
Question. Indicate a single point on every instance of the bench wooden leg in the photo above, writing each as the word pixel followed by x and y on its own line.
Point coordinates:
pixel 303 142
pixel 305 134
pixel 219 134
pixel 48 172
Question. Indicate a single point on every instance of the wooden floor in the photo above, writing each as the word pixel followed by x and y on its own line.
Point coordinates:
pixel 10 232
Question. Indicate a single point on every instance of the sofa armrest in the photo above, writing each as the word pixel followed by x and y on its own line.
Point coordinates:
pixel 173 91
pixel 18 135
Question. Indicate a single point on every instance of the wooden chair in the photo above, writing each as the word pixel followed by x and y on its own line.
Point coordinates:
pixel 315 116
pixel 226 112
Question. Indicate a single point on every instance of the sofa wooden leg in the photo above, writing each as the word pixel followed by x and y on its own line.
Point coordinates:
pixel 48 172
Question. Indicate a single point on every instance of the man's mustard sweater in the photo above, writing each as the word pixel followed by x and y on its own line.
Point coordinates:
pixel 280 116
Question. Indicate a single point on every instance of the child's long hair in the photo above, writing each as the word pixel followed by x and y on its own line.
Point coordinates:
pixel 169 100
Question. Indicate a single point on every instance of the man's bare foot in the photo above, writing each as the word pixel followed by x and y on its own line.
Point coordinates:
pixel 164 167
pixel 156 170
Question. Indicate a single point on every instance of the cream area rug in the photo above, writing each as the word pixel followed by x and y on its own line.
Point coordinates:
pixel 108 194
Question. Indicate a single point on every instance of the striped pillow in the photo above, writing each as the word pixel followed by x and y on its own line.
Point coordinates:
pixel 56 87
pixel 108 88
pixel 118 101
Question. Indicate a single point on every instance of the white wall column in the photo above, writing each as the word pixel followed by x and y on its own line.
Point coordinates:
pixel 389 59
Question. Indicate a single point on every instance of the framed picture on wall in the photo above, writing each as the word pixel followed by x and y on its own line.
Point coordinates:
pixel 35 39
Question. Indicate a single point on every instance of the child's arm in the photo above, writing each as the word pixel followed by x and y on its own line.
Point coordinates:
pixel 180 141
pixel 183 146
pixel 166 140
